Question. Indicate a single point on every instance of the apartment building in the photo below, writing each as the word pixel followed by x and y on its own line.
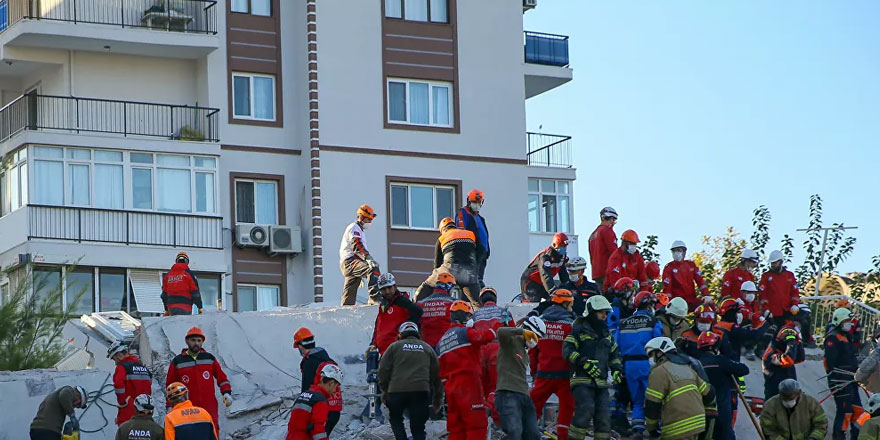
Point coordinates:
pixel 247 132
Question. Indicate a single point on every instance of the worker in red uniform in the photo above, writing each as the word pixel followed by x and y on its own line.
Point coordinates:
pixel 130 379
pixel 537 281
pixel 459 355
pixel 652 271
pixel 491 316
pixel 469 217
pixel 550 370
pixel 199 370
pixel 395 308
pixel 603 242
pixel 308 418
pixel 313 360
pixel 626 261
pixel 180 288
pixel 779 289
pixel 435 309
pixel 680 276
pixel 734 278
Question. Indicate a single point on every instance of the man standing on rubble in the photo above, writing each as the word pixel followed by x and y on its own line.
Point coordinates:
pixel 198 369
pixel 130 379
pixel 603 242
pixel 355 260
pixel 469 217
pixel 180 288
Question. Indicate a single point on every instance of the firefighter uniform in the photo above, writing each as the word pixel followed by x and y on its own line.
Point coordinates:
pixel 670 330
pixel 622 264
pixel 537 281
pixel 130 379
pixel 806 421
pixel 779 359
pixel 679 279
pixel 199 373
pixel 551 370
pixel 678 397
pixel 188 422
pixel 309 415
pixel 459 355
pixel 721 371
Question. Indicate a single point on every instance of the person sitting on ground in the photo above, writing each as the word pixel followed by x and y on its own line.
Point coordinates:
pixel 793 414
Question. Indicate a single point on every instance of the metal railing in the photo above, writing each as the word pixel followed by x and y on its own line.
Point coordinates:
pixel 549 49
pixel 73 114
pixel 549 150
pixel 193 16
pixel 822 308
pixel 124 227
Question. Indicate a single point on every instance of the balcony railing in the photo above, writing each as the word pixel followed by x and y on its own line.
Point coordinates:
pixel 548 150
pixel 549 49
pixel 193 16
pixel 76 115
pixel 124 227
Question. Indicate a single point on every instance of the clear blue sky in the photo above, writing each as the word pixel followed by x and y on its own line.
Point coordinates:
pixel 686 115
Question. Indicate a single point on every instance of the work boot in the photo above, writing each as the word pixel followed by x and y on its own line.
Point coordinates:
pixel 621 425
pixel 637 435
pixel 750 356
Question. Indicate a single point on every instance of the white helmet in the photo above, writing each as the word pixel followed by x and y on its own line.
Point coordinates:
pixel 775 256
pixel 84 397
pixel 331 371
pixel 408 326
pixel 116 347
pixel 535 325
pixel 678 307
pixel 749 254
pixel 386 280
pixel 748 286
pixel 143 403
pixel 677 244
pixel 873 404
pixel 608 212
pixel 661 343
pixel 576 263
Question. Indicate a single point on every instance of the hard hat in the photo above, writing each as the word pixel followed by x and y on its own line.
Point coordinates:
pixel 181 257
pixel 775 256
pixel 386 280
pixel 175 390
pixel 652 270
pixel 704 313
pixel 408 326
pixel 195 331
pixel 678 244
pixel 608 212
pixel 789 386
pixel 560 240
pixel 840 316
pixel 461 306
pixel 445 277
pixel 707 340
pixel 476 196
pixel 562 296
pixel 630 236
pixel 597 303
pixel 624 283
pixel 83 396
pixel 445 222
pixel 576 263
pixel 842 303
pixel 488 292
pixel 367 212
pixel 727 304
pixel 303 337
pixel 662 299
pixel 643 297
pixel 748 286
pixel 331 371
pixel 535 325
pixel 143 403
pixel 787 334
pixel 677 307
pixel 662 343
pixel 116 347
pixel 873 404
pixel 748 254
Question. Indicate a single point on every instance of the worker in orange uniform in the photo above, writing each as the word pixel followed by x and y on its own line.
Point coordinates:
pixel 626 261
pixel 355 260
pixel 435 309
pixel 308 418
pixel 469 217
pixel 603 242
pixel 130 379
pixel 199 369
pixel 550 370
pixel 680 276
pixel 454 254
pixel 537 280
pixel 733 279
pixel 180 288
pixel 186 421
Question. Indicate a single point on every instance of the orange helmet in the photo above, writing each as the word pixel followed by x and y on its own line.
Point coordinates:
pixel 662 299
pixel 195 331
pixel 630 236
pixel 562 296
pixel 445 222
pixel 727 304
pixel 560 240
pixel 461 306
pixel 704 313
pixel 843 303
pixel 303 337
pixel 476 196
pixel 652 270
pixel 175 390
pixel 642 297
pixel 446 277
pixel 181 257
pixel 624 283
pixel 367 212
pixel 707 340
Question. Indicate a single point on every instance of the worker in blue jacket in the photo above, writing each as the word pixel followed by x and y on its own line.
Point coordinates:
pixel 634 332
pixel 468 217
pixel 722 372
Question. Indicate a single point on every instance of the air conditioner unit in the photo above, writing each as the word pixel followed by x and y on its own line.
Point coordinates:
pixel 285 239
pixel 529 4
pixel 247 234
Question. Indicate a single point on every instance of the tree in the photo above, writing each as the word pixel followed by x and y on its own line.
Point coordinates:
pixel 719 254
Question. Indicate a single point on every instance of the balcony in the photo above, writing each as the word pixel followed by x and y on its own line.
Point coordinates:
pixel 166 28
pixel 548 150
pixel 546 62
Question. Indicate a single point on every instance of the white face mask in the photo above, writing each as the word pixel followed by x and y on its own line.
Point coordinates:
pixel 739 318
pixel 366 226
pixel 531 344
pixel 631 249
pixel 475 207
pixel 789 403
pixel 749 297
pixel 574 277
pixel 678 255
pixel 847 326
pixel 652 361
pixel 704 326
pixel 674 320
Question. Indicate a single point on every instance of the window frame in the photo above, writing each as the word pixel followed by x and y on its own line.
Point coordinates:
pixel 407 102
pixel 18 169
pixel 256 287
pixel 540 193
pixel 250 77
pixel 428 19
pixel 255 182
pixel 250 9
pixel 409 186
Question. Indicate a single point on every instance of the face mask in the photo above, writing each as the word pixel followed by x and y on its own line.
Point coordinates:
pixel 739 318
pixel 750 297
pixel 574 277
pixel 631 249
pixel 789 403
pixel 651 361
pixel 674 320
pixel 562 250
pixel 366 226
pixel 847 326
pixel 475 207
pixel 678 256
pixel 704 326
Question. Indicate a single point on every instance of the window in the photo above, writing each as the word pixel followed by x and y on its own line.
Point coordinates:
pixel 13 182
pixel 419 103
pixel 257 297
pixel 550 207
pixel 255 7
pixel 418 10
pixel 209 287
pixel 253 96
pixel 111 289
pixel 80 294
pixel 47 286
pixel 4 14
pixel 418 206
pixel 256 201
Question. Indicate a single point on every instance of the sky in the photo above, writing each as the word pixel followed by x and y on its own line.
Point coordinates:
pixel 686 115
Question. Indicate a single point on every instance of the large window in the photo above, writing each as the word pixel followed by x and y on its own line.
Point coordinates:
pixel 436 11
pixel 80 293
pixel 209 288
pixel 420 102
pixel 256 201
pixel 47 286
pixel 255 7
pixel 253 96
pixel 13 182
pixel 418 206
pixel 550 207
pixel 253 297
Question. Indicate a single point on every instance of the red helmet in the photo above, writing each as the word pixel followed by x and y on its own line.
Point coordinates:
pixel 560 240
pixel 643 297
pixel 652 270
pixel 624 283
pixel 704 313
pixel 707 339
pixel 630 236
pixel 476 196
pixel 727 304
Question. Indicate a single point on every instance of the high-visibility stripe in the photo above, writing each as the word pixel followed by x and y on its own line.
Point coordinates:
pixel 455 348
pixel 319 436
pixel 225 382
pixel 820 418
pixel 685 425
pixel 702 387
pixel 303 406
pixel 655 394
pixel 573 357
pixel 120 390
pixel 138 377
pixel 602 435
pixel 577 432
pixel 681 390
pixel 571 339
pixel 187 364
pixel 205 362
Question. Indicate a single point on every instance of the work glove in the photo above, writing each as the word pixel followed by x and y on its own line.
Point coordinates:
pixel 616 377
pixel 74 422
pixel 794 310
pixel 167 313
pixel 201 311
pixel 740 302
pixel 469 323
pixel 592 369
pixel 741 381
pixel 531 338
pixel 369 349
pixel 227 399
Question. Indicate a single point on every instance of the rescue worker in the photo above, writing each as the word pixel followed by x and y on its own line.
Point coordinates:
pixel 704 319
pixel 130 379
pixel 624 289
pixel 468 217
pixel 733 279
pixel 868 374
pixel 355 260
pixel 550 369
pixel 635 331
pixel 676 394
pixel 515 408
pixel 199 370
pixel 56 406
pixel 674 318
pixel 490 316
pixel 459 355
pixel 793 414
pixel 313 360
pixel 779 291
pixel 180 288
pixel 141 426
pixel 186 421
pixel 580 287
pixel 731 327
pixel 308 419
pixel 721 371
pixel 537 281
pixel 603 242
pixel 626 261
pixel 592 353
pixel 680 276
pixel 454 254
pixel 652 271
pixel 395 308
pixel 778 361
pixel 840 356
pixel 409 374
pixel 870 429
pixel 435 309
pixel 753 313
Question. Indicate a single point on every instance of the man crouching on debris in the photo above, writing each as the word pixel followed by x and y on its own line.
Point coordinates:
pixel 309 415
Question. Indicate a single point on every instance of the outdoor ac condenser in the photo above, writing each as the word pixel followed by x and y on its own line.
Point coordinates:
pixel 285 239
pixel 251 235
